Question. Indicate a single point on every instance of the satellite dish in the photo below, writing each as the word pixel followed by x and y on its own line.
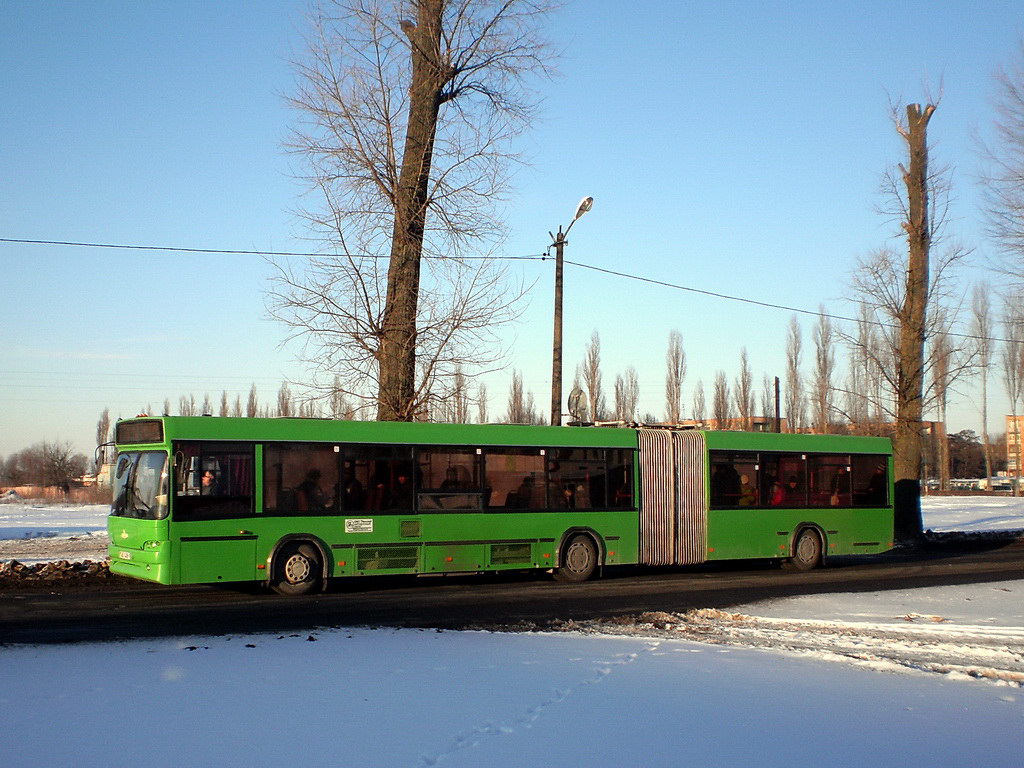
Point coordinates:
pixel 575 403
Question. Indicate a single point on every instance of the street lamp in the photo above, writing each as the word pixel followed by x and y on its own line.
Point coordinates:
pixel 559 242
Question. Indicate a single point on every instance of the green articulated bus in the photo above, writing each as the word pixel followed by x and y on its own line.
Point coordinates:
pixel 295 502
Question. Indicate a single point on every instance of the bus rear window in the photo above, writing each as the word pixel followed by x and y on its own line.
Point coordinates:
pixel 135 432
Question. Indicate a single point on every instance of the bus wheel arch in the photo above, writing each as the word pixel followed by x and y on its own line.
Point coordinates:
pixel 580 555
pixel 298 565
pixel 807 548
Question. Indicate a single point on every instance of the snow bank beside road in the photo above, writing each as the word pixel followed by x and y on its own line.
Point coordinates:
pixel 972 513
pixel 45 531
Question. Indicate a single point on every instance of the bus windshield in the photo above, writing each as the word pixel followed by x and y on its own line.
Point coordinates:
pixel 140 485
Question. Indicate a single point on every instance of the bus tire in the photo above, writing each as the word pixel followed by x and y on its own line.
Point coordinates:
pixel 578 561
pixel 297 569
pixel 807 549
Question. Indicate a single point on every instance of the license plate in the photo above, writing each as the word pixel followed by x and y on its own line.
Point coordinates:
pixel 124 555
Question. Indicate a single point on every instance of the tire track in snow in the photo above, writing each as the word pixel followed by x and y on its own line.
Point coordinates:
pixel 960 650
pixel 489 729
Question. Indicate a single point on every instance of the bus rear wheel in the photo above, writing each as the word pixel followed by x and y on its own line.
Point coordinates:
pixel 579 560
pixel 297 570
pixel 806 551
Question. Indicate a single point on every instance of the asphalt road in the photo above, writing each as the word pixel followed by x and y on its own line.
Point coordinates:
pixel 68 612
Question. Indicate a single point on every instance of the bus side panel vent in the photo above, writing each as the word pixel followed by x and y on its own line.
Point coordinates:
pixel 509 554
pixel 387 558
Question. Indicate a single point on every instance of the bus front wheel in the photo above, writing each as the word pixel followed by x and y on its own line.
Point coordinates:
pixel 806 551
pixel 579 560
pixel 297 570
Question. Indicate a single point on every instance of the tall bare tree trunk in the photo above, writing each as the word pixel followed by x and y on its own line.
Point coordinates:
pixel 907 447
pixel 675 361
pixel 744 393
pixel 396 395
pixel 699 403
pixel 592 377
pixel 981 328
pixel 795 402
pixel 824 367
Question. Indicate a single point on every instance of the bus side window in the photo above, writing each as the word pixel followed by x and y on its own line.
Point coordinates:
pixel 870 480
pixel 213 481
pixel 514 479
pixel 300 478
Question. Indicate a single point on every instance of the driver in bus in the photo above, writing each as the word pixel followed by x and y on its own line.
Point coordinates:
pixel 211 485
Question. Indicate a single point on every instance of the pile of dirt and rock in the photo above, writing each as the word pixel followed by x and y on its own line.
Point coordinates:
pixel 12 571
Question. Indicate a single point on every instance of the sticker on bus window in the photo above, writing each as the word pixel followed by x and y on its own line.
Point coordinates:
pixel 359 525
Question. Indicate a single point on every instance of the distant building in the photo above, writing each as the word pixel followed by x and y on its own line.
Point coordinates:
pixel 1014 426
pixel 105 475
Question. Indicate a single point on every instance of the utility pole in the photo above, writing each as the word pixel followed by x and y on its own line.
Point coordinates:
pixel 559 242
pixel 556 347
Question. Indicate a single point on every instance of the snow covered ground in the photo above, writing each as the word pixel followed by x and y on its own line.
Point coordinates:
pixel 925 677
pixel 382 697
pixel 34 531
pixel 972 513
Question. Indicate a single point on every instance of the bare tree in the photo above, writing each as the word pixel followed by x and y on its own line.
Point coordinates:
pixel 903 297
pixel 455 408
pixel 516 408
pixel 252 404
pixel 61 465
pixel 236 408
pixel 591 373
pixel 824 367
pixel 577 383
pixel 721 405
pixel 285 402
pixel 481 404
pixel 878 282
pixel 407 109
pixel 941 352
pixel 699 404
pixel 521 407
pixel 224 409
pixel 187 406
pixel 919 227
pixel 675 363
pixel 627 395
pixel 795 400
pixel 1003 180
pixel 340 407
pixel 745 390
pixel 207 406
pixel 103 437
pixel 1013 373
pixel 768 400
pixel 981 329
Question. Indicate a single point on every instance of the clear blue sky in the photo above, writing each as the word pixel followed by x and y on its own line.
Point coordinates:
pixel 734 147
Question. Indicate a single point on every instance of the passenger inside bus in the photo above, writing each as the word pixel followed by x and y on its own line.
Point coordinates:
pixel 310 497
pixel 211 484
pixel 525 494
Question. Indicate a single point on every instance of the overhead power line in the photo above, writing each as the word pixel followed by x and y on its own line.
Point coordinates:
pixel 529 257
pixel 768 304
pixel 237 252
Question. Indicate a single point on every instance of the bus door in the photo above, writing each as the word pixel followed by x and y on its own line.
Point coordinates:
pixel 212 532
